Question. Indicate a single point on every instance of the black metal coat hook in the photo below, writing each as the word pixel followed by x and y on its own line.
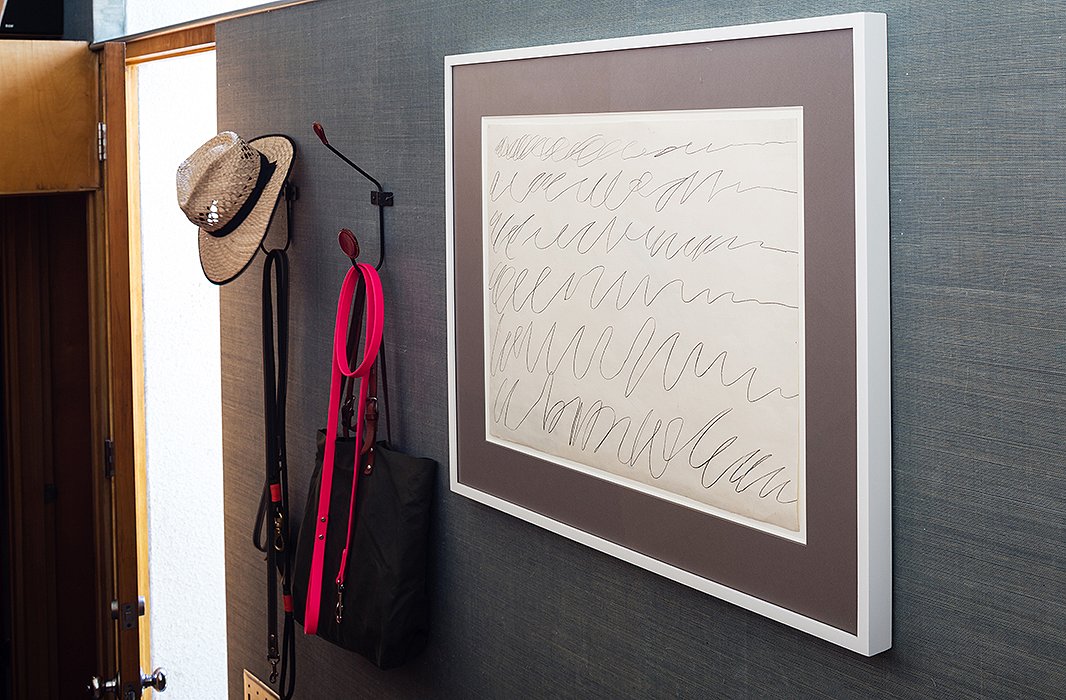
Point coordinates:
pixel 290 192
pixel 379 197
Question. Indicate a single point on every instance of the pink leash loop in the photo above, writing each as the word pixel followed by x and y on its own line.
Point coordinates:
pixel 375 312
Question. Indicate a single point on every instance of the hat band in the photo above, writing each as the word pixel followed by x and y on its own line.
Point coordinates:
pixel 266 170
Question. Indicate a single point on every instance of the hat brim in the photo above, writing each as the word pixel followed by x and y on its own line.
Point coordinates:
pixel 224 258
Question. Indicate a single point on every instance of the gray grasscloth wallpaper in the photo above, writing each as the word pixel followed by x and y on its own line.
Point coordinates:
pixel 978 173
pixel 77 20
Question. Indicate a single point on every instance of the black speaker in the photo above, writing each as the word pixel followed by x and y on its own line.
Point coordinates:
pixel 29 19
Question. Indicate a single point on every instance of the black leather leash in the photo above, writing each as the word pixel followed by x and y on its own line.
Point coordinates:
pixel 275 498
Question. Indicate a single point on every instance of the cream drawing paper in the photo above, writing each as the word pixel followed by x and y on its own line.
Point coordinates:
pixel 644 302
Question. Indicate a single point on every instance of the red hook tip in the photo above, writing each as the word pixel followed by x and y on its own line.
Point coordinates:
pixel 320 133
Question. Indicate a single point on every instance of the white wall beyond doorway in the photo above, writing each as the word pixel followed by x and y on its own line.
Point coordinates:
pixel 183 404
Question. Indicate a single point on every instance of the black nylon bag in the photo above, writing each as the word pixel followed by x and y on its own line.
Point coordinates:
pixel 386 607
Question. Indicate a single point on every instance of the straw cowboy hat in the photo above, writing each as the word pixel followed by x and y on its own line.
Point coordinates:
pixel 230 188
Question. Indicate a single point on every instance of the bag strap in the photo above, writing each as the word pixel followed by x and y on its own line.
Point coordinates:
pixel 342 368
pixel 275 498
pixel 348 406
pixel 385 393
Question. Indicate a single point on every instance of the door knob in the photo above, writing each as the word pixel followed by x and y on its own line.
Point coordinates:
pixel 156 681
pixel 99 689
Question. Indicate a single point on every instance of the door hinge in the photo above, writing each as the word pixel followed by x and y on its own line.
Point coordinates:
pixel 101 141
pixel 109 458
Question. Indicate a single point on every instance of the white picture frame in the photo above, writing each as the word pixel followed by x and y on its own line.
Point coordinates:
pixel 871 630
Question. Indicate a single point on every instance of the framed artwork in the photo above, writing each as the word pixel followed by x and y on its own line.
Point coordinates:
pixel 669 307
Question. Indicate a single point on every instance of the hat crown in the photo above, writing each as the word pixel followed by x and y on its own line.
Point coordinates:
pixel 217 179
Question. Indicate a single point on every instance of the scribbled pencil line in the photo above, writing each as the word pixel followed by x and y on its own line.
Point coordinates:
pixel 653 444
pixel 688 149
pixel 598 147
pixel 644 351
pixel 735 187
pixel 611 190
pixel 513 288
pixel 507 235
pixel 590 149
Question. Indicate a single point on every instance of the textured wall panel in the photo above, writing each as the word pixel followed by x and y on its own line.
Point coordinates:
pixel 979 351
pixel 78 20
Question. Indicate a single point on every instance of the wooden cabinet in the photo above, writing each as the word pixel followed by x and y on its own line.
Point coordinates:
pixel 49 107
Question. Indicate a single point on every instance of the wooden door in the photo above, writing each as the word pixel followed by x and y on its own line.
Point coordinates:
pixel 53 97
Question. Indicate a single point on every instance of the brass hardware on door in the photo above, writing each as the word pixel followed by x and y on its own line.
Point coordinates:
pixel 103 689
pixel 157 681
pixel 98 689
pixel 125 613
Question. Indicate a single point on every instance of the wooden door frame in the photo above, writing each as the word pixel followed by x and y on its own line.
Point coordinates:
pixel 115 345
pixel 173 45
pixel 118 363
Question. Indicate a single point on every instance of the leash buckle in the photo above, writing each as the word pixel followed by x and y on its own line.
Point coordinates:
pixel 279 538
pixel 273 657
pixel 340 603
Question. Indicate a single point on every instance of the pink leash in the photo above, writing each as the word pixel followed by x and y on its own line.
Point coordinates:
pixel 375 313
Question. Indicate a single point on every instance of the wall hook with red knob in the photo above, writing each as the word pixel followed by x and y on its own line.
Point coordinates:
pixel 378 197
